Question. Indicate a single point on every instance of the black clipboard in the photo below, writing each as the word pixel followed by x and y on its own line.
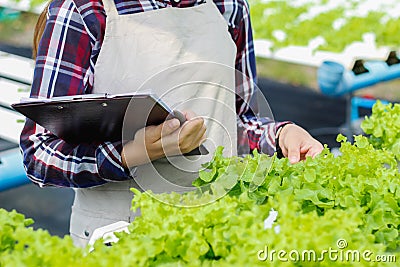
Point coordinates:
pixel 98 118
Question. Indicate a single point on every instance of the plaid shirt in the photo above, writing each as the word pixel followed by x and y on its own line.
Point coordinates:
pixel 65 64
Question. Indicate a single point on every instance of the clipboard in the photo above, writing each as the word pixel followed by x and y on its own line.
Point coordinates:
pixel 98 117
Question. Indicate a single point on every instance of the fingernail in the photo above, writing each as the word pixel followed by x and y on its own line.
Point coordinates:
pixel 174 123
pixel 293 160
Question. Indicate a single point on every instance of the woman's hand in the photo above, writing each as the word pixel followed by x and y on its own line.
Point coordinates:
pixel 296 143
pixel 166 139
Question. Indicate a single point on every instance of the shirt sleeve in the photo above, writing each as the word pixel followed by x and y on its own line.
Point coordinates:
pixel 254 132
pixel 64 67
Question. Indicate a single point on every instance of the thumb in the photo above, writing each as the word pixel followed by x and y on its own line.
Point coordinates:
pixel 154 133
pixel 293 153
pixel 169 127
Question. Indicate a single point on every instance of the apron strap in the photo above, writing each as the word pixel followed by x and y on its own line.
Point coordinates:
pixel 110 8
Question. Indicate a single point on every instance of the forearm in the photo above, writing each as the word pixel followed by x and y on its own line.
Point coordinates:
pixel 134 154
pixel 49 161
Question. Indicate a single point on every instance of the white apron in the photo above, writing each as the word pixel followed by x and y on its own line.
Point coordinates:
pixel 184 55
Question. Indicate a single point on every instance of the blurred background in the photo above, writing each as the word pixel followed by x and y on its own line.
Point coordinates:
pixel 293 39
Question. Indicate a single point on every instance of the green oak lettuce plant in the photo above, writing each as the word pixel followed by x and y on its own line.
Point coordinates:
pixel 383 126
pixel 352 198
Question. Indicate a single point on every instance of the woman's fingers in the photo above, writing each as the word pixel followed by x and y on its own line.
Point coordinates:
pixel 297 144
pixel 168 138
pixel 189 114
pixel 191 134
pixel 169 127
pixel 293 153
pixel 184 139
pixel 315 148
pixel 200 137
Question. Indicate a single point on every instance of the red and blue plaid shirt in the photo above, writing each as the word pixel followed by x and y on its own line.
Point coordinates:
pixel 64 66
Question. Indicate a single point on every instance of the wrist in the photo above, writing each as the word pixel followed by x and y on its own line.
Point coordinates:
pixel 283 132
pixel 135 153
pixel 279 136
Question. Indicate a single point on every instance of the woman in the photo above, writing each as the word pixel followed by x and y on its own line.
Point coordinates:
pixel 87 46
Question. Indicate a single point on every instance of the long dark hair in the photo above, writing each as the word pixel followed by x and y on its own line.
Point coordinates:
pixel 39 29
